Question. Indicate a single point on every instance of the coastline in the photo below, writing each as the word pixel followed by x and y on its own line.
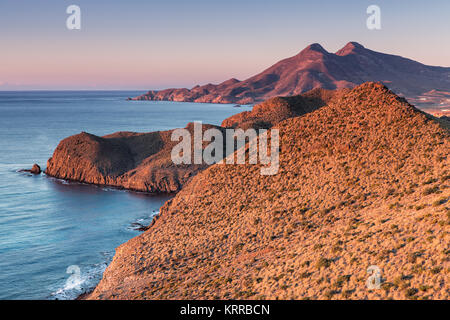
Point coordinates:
pixel 138 245
pixel 70 207
pixel 115 187
pixel 142 228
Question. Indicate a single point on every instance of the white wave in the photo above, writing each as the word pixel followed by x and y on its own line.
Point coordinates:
pixel 86 281
pixel 142 222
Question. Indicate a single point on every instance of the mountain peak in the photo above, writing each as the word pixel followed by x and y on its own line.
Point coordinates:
pixel 349 48
pixel 314 67
pixel 315 47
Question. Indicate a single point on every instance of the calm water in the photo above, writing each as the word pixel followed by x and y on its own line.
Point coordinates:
pixel 47 225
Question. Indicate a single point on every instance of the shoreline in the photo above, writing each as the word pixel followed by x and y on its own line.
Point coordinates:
pixel 143 228
pixel 115 187
pixel 400 103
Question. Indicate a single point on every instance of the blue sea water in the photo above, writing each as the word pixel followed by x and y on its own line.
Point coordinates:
pixel 48 225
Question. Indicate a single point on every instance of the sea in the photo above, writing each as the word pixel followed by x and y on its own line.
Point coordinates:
pixel 56 237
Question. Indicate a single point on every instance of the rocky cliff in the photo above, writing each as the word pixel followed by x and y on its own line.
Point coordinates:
pixel 363 181
pixel 135 161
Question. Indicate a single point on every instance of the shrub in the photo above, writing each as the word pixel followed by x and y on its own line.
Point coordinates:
pixel 387 286
pixel 436 270
pixel 420 207
pixel 431 190
pixel 440 201
pixel 340 280
pixel 330 293
pixel 346 294
pixel 429 181
pixel 305 275
pixel 323 262
pixel 410 293
pixel 424 288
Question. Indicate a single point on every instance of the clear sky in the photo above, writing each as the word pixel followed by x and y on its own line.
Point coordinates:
pixel 152 44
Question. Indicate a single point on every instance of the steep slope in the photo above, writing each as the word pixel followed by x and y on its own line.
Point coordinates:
pixel 363 181
pixel 314 67
pixel 135 161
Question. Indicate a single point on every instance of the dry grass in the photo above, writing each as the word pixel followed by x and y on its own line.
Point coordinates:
pixel 362 182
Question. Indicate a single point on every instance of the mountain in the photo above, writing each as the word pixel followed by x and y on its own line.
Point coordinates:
pixel 314 67
pixel 274 110
pixel 363 181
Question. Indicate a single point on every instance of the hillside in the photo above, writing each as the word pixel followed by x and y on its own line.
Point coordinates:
pixel 274 110
pixel 142 161
pixel 314 67
pixel 363 181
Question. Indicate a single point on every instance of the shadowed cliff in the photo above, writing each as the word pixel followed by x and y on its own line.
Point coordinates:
pixel 135 161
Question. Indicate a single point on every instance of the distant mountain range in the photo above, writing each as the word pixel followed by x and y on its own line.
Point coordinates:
pixel 314 67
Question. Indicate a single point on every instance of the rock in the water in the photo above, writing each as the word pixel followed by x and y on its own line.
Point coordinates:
pixel 36 169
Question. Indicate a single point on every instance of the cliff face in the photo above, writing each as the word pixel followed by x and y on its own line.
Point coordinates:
pixel 314 67
pixel 135 161
pixel 363 181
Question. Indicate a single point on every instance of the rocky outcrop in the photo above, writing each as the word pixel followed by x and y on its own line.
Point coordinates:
pixel 135 161
pixel 314 67
pixel 36 169
pixel 363 181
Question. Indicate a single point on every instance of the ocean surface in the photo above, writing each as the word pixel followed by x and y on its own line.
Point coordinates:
pixel 56 238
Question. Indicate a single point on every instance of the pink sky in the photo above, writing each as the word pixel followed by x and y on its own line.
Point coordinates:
pixel 164 44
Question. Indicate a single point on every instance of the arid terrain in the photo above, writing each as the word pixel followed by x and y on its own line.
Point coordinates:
pixel 364 181
pixel 142 161
pixel 427 87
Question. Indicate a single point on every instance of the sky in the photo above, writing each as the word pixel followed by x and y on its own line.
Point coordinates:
pixel 154 44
